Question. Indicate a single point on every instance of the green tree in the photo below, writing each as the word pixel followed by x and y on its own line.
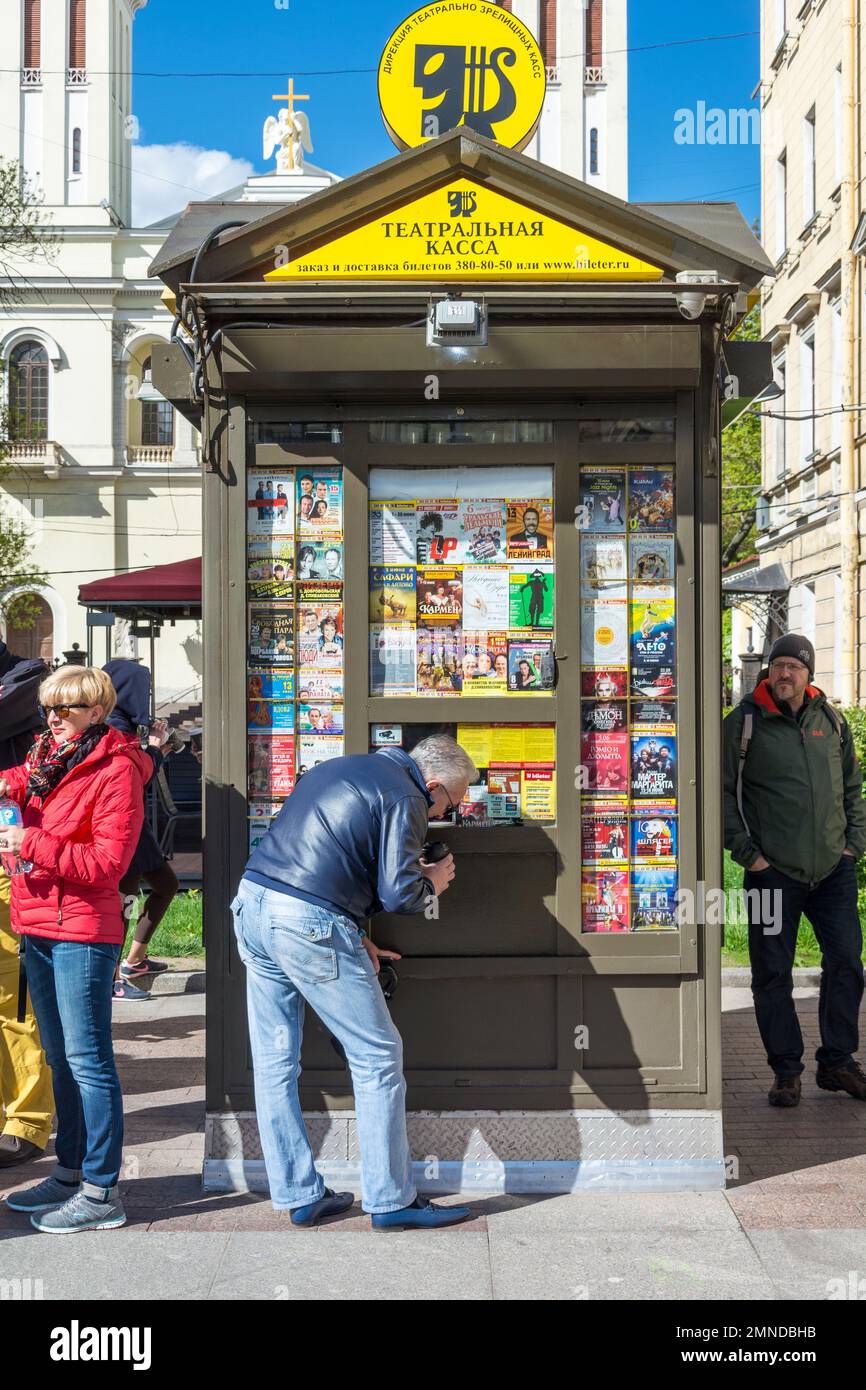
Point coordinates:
pixel 741 466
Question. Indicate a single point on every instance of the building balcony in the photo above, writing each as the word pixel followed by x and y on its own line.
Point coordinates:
pixel 31 77
pixel 552 74
pixel 76 77
pixel 152 454
pixel 33 453
pixel 594 77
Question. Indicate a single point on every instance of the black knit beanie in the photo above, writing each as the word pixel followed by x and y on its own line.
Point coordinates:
pixel 793 644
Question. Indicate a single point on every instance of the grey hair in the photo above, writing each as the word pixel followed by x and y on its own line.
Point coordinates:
pixel 442 758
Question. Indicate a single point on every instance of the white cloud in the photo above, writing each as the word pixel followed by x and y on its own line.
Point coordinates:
pixel 167 177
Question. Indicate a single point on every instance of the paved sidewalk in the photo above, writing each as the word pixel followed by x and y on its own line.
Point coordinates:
pixel 794 1218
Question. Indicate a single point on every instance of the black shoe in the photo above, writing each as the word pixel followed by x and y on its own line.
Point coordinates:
pixel 849 1077
pixel 16 1150
pixel 785 1091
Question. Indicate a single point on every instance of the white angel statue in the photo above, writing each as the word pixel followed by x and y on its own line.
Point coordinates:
pixel 290 134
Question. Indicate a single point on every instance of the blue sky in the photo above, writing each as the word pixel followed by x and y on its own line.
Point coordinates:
pixel 338 42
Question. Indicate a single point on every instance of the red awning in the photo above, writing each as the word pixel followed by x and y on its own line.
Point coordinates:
pixel 162 586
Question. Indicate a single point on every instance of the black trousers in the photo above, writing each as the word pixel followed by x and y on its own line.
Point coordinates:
pixel 774 902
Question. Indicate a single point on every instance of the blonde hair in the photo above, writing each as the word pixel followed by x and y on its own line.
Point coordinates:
pixel 79 685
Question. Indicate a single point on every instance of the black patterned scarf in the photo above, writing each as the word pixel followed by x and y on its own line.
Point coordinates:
pixel 49 762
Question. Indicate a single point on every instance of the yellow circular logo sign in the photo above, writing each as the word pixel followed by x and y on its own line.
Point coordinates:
pixel 461 62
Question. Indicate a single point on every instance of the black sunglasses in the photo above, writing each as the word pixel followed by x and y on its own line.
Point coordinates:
pixel 62 711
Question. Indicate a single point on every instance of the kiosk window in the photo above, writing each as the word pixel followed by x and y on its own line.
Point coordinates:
pixel 461 582
pixel 629 754
pixel 460 431
pixel 295 630
pixel 516 768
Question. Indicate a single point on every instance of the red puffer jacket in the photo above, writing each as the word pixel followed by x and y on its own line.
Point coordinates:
pixel 80 841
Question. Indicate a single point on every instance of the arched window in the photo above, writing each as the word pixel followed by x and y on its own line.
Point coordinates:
pixel 76 150
pixel 77 33
pixel 28 392
pixel 32 33
pixel 157 417
pixel 30 631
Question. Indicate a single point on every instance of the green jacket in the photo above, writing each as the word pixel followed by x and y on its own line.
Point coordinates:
pixel 802 788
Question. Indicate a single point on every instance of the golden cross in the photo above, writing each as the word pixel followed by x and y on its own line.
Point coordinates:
pixel 291 96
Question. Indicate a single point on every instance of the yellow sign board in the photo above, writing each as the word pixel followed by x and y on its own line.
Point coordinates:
pixel 465 231
pixel 461 62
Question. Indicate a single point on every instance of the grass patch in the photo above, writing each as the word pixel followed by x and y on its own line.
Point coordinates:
pixel 736 948
pixel 179 932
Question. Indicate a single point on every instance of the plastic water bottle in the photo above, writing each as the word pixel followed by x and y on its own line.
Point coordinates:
pixel 10 814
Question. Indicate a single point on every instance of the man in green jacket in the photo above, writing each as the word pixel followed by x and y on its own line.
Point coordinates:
pixel 795 819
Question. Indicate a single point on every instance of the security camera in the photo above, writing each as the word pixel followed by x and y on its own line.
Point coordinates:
pixel 691 305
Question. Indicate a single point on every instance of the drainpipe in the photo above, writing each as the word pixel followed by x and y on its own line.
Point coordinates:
pixel 849 541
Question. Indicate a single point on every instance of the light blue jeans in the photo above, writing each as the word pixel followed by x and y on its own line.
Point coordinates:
pixel 294 951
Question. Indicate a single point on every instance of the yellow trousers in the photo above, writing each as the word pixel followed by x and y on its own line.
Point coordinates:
pixel 26 1095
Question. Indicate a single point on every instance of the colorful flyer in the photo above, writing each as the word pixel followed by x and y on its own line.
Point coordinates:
pixel 269 504
pixel 271 634
pixel 439 668
pixel 270 716
pixel 473 809
pixel 270 590
pixel 538 793
pixel 503 793
pixel 320 627
pixel 320 685
pixel 529 529
pixel 485 598
pixel 654 897
pixel 602 562
pixel 604 762
pixel 651 499
pixel 604 716
pixel 270 685
pixel 604 832
pixel 530 665
pixel 601 508
pixel 320 501
pixel 654 764
pixel 654 834
pixel 392 659
pixel 439 594
pixel 482 531
pixel 317 748
pixel 320 557
pixel 604 899
pixel 271 763
pixel 437 533
pixel 273 558
pixel 651 559
pixel 606 683
pixel 392 593
pixel 653 646
pixel 485 663
pixel 320 719
pixel 603 632
pixel 530 597
pixel 392 533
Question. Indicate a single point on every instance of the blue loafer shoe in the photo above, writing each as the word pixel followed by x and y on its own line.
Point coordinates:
pixel 329 1204
pixel 422 1215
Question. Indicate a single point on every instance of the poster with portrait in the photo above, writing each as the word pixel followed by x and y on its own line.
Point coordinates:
pixel 654 764
pixel 269 503
pixel 604 683
pixel 319 718
pixel 529 529
pixel 604 761
pixel 439 594
pixel 651 499
pixel 320 501
pixel 485 663
pixel 437 531
pixel 604 832
pixel 439 659
pixel 482 531
pixel 271 632
pixel 485 598
pixel 320 626
pixel 530 665
pixel 604 899
pixel 271 558
pixel 320 558
pixel 530 597
pixel 602 506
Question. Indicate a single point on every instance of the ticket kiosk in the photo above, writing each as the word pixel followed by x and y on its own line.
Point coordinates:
pixel 461 437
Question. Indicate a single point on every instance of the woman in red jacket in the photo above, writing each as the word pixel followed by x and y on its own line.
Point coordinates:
pixel 80 792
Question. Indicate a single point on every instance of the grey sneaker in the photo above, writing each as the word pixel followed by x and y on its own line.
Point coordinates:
pixel 81 1213
pixel 45 1195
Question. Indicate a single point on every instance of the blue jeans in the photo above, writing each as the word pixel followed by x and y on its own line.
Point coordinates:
pixel 294 951
pixel 71 984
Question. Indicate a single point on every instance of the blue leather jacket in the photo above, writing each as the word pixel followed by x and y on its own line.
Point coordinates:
pixel 350 836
